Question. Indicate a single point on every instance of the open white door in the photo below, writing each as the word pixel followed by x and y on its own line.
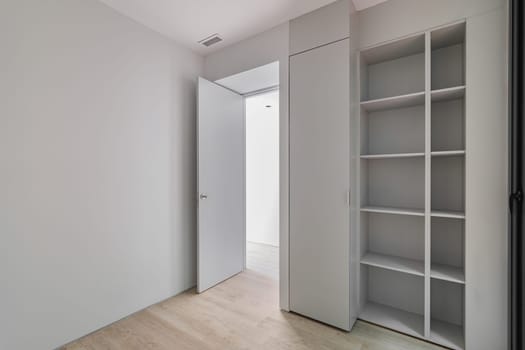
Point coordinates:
pixel 221 205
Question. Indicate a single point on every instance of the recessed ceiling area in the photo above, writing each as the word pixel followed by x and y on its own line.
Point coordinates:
pixel 189 21
pixel 256 79
pixel 363 4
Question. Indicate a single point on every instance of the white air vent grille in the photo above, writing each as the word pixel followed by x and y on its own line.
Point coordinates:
pixel 212 39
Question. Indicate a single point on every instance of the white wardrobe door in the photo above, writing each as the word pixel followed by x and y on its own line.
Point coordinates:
pixel 319 184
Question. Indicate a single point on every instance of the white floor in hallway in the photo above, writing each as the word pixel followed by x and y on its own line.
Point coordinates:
pixel 263 258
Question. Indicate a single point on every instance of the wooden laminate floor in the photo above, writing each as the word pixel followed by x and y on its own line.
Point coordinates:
pixel 263 258
pixel 240 313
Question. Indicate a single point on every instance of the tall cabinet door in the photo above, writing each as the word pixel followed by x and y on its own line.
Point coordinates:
pixel 319 184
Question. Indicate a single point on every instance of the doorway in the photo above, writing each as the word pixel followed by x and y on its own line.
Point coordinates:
pixel 262 183
pixel 238 176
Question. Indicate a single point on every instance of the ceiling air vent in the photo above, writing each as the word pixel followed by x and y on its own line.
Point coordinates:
pixel 212 39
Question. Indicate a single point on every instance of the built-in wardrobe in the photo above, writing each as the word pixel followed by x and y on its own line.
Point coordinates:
pixel 398 158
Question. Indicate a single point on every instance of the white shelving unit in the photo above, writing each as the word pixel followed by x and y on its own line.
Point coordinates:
pixel 386 103
pixel 392 155
pixel 394 263
pixel 448 94
pixel 447 214
pixel 447 153
pixel 412 185
pixel 398 211
pixel 447 273
pixel 402 321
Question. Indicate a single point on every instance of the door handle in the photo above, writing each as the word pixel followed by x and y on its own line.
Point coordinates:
pixel 203 196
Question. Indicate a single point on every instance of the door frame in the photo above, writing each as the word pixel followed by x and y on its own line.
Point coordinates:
pixel 244 182
pixel 244 64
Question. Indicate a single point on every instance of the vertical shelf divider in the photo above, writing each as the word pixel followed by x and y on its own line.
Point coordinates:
pixel 357 190
pixel 428 143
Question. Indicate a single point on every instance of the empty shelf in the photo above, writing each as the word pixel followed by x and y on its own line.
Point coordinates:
pixel 392 155
pixel 447 153
pixel 396 319
pixel 397 211
pixel 409 46
pixel 452 93
pixel 448 36
pixel 447 334
pixel 448 214
pixel 409 100
pixel 447 273
pixel 413 267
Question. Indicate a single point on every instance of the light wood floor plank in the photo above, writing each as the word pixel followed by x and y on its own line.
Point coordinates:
pixel 240 313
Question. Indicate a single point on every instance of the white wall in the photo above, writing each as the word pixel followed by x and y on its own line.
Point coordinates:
pixel 262 168
pixel 97 170
pixel 267 47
